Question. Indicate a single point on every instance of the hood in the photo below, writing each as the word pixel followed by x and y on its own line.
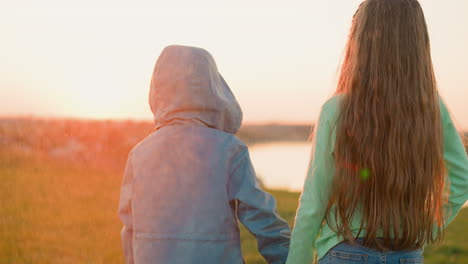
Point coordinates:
pixel 186 88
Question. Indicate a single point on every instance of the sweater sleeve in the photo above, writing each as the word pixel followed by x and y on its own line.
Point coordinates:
pixel 256 209
pixel 313 201
pixel 456 161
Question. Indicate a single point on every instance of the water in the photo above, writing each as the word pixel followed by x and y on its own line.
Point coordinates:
pixel 281 165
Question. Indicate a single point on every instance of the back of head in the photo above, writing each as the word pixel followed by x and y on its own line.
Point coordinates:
pixel 388 151
pixel 186 88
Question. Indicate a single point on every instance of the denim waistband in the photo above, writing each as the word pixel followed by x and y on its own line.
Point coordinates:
pixel 373 245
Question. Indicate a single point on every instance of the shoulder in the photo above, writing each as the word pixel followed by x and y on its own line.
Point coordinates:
pixel 333 102
pixel 444 113
pixel 330 109
pixel 240 149
pixel 143 144
pixel 447 119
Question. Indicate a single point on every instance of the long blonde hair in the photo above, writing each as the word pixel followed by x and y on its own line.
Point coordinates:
pixel 389 145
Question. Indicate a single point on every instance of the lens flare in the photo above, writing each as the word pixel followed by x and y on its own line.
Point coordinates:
pixel 364 174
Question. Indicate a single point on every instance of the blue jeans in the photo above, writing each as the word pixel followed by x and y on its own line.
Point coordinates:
pixel 346 253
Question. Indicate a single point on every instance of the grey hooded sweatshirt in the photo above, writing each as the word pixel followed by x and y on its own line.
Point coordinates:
pixel 188 183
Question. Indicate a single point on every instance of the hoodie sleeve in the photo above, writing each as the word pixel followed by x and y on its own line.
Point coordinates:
pixel 314 197
pixel 125 212
pixel 456 161
pixel 257 212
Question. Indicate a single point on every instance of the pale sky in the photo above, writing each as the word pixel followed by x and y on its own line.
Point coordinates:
pixel 94 59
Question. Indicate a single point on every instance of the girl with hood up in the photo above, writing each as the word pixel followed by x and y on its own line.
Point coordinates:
pixel 187 184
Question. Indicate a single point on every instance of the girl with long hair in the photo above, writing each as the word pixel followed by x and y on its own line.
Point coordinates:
pixel 389 170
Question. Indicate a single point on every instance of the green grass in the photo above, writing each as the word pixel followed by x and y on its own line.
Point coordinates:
pixel 54 212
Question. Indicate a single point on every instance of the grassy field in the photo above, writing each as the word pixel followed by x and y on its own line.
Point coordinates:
pixel 55 211
pixel 58 204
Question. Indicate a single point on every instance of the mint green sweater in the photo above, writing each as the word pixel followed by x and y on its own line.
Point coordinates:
pixel 310 233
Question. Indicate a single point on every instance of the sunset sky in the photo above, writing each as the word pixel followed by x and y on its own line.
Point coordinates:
pixel 94 59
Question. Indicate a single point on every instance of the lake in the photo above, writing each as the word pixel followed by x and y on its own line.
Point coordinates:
pixel 281 165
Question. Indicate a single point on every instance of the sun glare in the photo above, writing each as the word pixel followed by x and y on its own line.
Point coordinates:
pixel 94 60
pixel 97 97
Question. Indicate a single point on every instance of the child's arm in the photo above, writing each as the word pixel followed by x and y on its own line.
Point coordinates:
pixel 456 161
pixel 257 211
pixel 125 212
pixel 314 198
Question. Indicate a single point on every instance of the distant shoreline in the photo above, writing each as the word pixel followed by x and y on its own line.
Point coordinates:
pixel 29 131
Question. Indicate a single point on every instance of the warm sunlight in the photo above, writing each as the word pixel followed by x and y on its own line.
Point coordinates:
pixel 273 167
pixel 96 100
pixel 95 59
pixel 96 95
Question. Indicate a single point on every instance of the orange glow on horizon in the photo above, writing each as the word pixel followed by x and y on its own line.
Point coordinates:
pixel 94 59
